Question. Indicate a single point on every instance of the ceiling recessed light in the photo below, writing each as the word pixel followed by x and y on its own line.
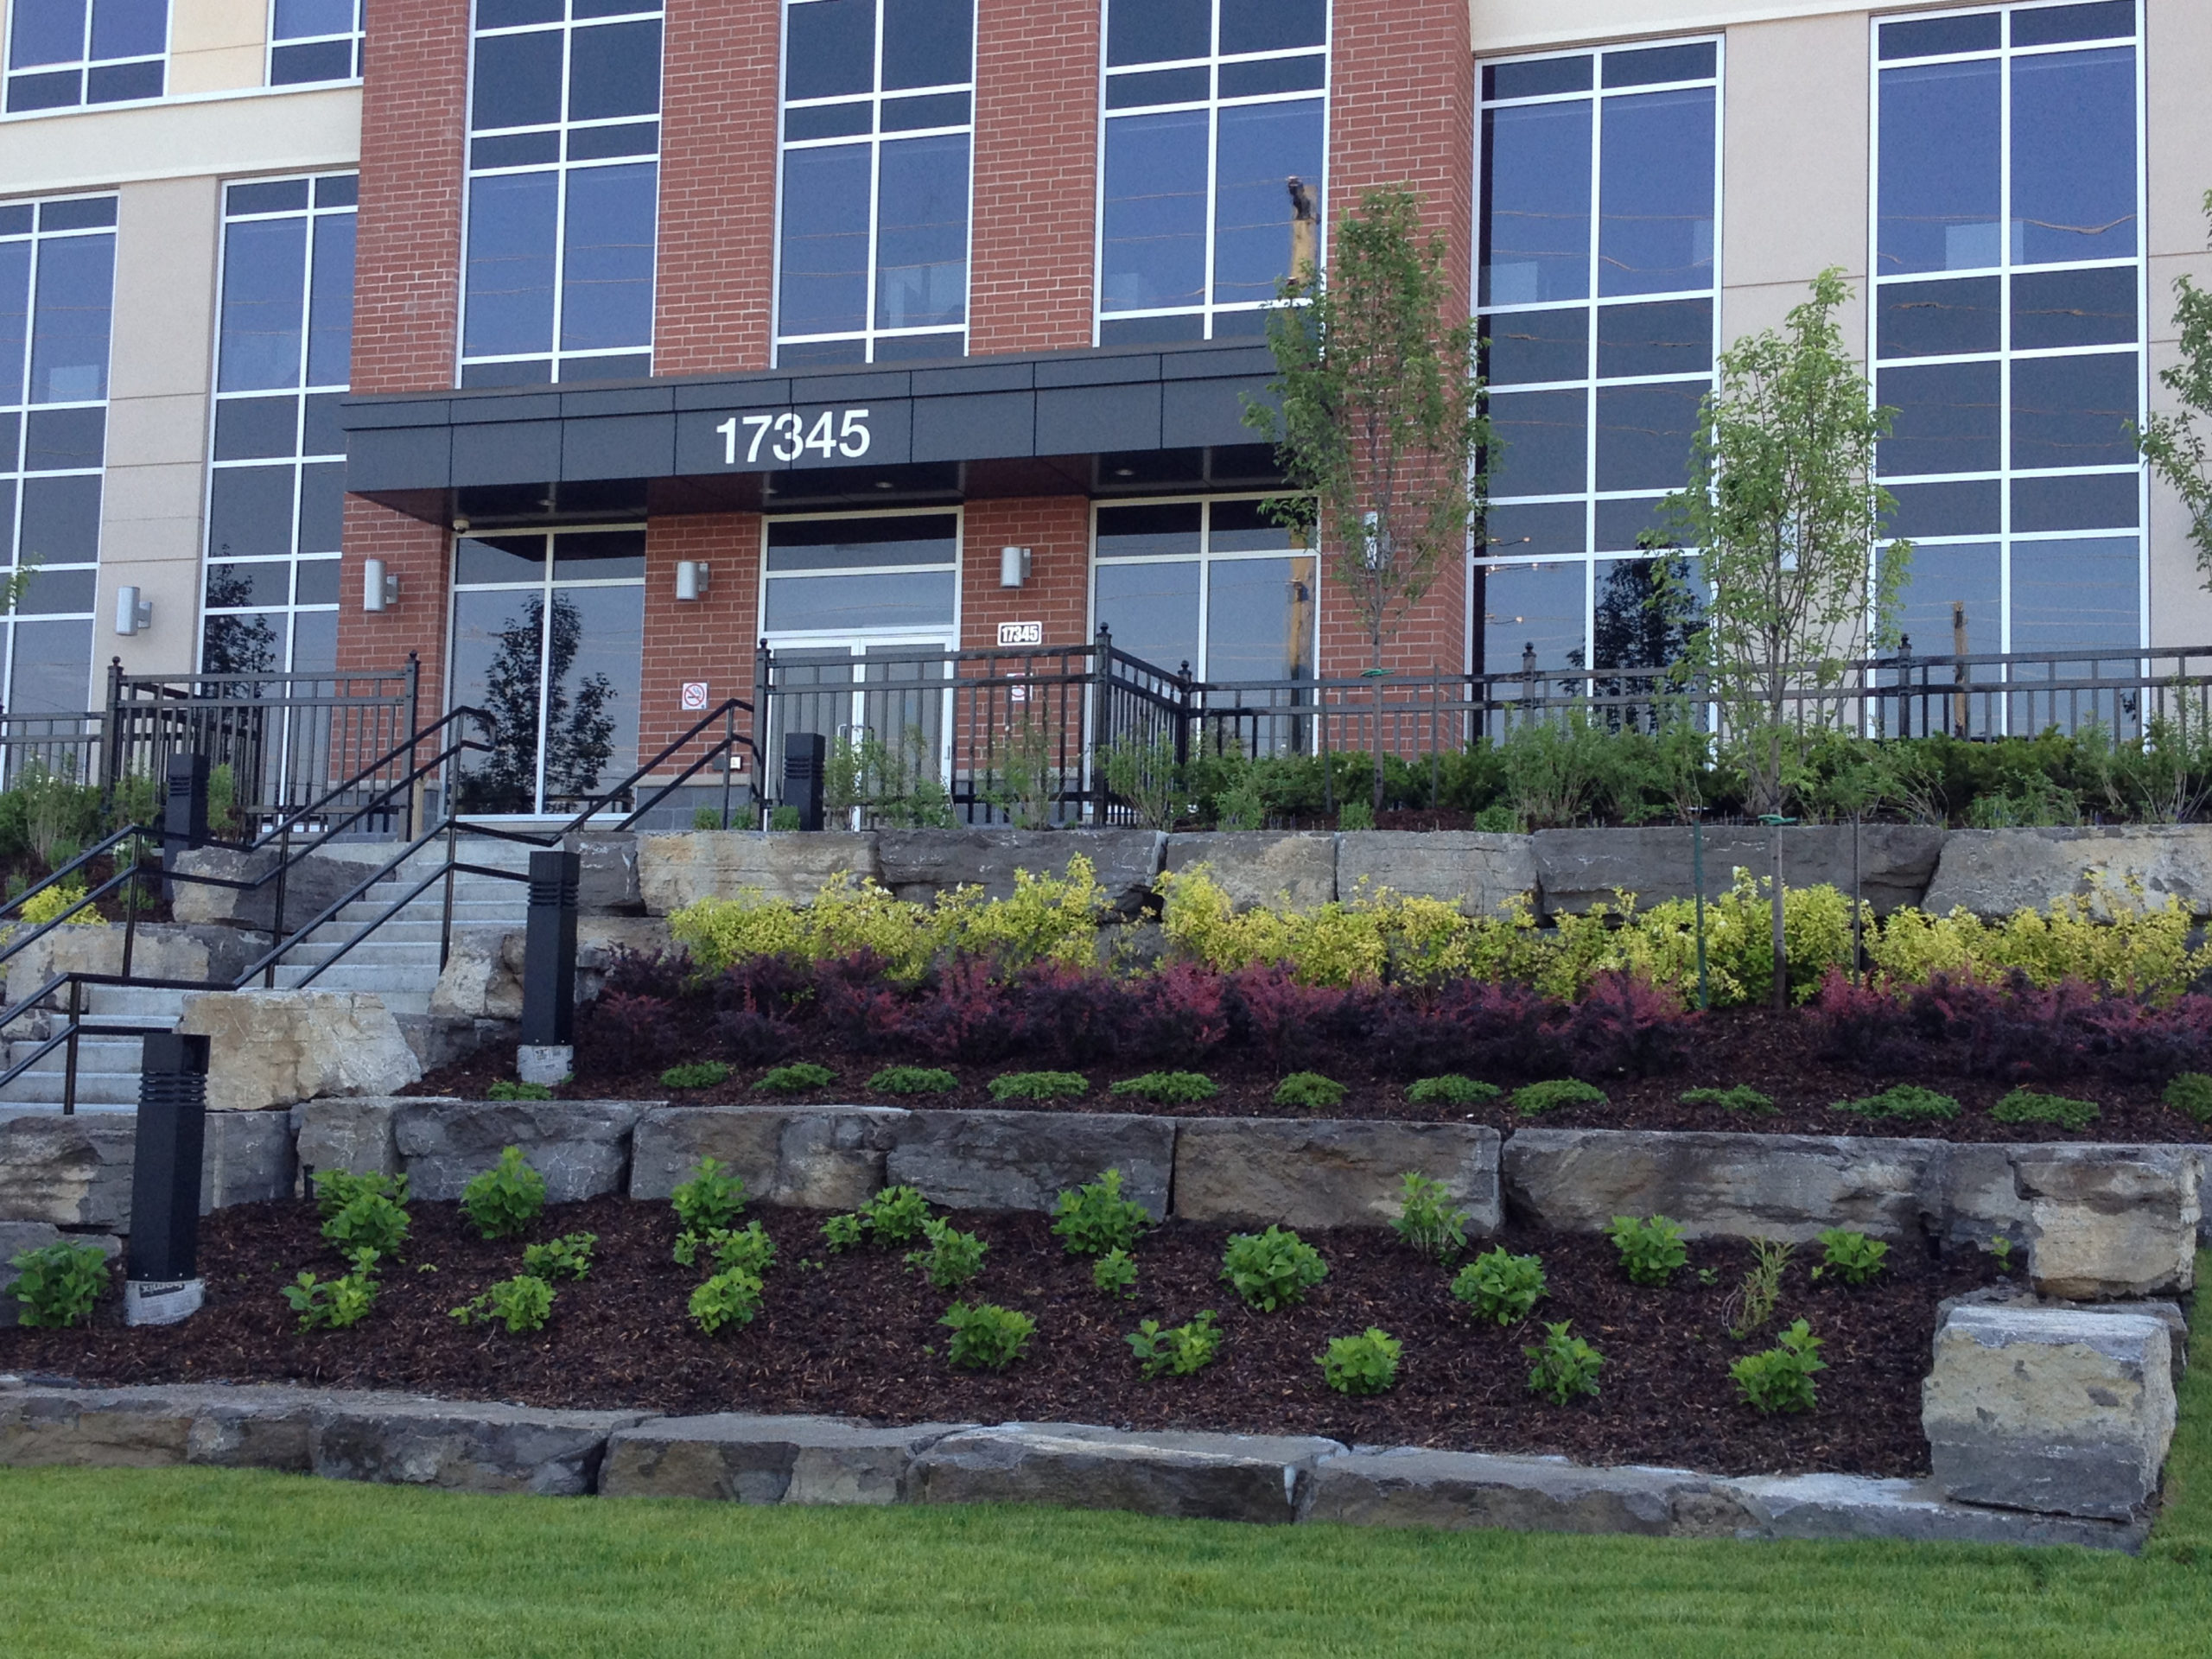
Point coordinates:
pixel 884 484
pixel 1125 471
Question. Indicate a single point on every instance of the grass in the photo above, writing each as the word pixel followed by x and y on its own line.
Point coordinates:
pixel 208 1561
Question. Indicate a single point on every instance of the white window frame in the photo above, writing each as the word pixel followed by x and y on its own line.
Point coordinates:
pixel 83 65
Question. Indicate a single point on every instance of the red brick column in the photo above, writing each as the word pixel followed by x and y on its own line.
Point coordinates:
pixel 1057 530
pixel 378 642
pixel 709 638
pixel 1033 236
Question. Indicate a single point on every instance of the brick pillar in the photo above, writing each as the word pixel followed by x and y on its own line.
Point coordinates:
pixel 378 642
pixel 709 638
pixel 1057 530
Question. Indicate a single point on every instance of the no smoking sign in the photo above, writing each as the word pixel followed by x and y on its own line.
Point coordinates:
pixel 695 697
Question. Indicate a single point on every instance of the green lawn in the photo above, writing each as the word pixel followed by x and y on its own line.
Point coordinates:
pixel 191 1561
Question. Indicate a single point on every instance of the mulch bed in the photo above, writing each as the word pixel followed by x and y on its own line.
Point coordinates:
pixel 854 1335
pixel 1774 1053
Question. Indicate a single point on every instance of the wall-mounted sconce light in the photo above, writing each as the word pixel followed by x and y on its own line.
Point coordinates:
pixel 690 580
pixel 379 592
pixel 1013 566
pixel 132 614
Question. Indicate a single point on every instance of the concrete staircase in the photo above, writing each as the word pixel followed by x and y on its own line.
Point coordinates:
pixel 399 962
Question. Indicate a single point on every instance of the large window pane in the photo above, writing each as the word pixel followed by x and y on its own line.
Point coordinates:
pixel 510 218
pixel 1654 230
pixel 330 302
pixel 928 42
pixel 1536 209
pixel 1938 183
pixel 1260 145
pixel 891 599
pixel 1644 434
pixel 1948 416
pixel 2068 593
pixel 1259 619
pixel 830 47
pixel 69 327
pixel 52 668
pixel 1158 31
pixel 921 249
pixel 1532 620
pixel 1523 348
pixel 1539 443
pixel 607 292
pixel 14 317
pixel 1155 224
pixel 614 71
pixel 594 644
pixel 2074 412
pixel 264 275
pixel 498 666
pixel 46 31
pixel 825 240
pixel 1152 607
pixel 1951 604
pixel 518 81
pixel 2074 157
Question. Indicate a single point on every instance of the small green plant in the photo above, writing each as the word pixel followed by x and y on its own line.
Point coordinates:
pixel 2000 1252
pixel 847 1232
pixel 698 1074
pixel 1170 1088
pixel 710 1200
pixel 986 1336
pixel 58 1283
pixel 1535 1099
pixel 368 1222
pixel 1651 1249
pixel 1566 1366
pixel 2190 1094
pixel 952 1257
pixel 1367 1363
pixel 795 1079
pixel 1451 1089
pixel 748 1248
pixel 1310 1091
pixel 566 1257
pixel 508 1089
pixel 1907 1101
pixel 1753 1301
pixel 1094 1218
pixel 1426 1220
pixel 507 1199
pixel 896 1216
pixel 522 1303
pixel 729 1298
pixel 786 818
pixel 1175 1351
pixel 1500 1286
pixel 706 818
pixel 1356 815
pixel 334 1304
pixel 2026 1106
pixel 1040 1085
pixel 1271 1269
pixel 913 1080
pixel 1780 1378
pixel 1741 1098
pixel 1852 1257
pixel 1115 1274
pixel 335 1189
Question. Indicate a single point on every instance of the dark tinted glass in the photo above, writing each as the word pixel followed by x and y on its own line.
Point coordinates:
pixel 499 558
pixel 80 215
pixel 330 302
pixel 1535 203
pixel 820 352
pixel 861 542
pixel 1153 245
pixel 1643 436
pixel 2072 308
pixel 828 120
pixel 264 275
pixel 1654 230
pixel 324 435
pixel 14 324
pixel 1161 86
pixel 1539 443
pixel 248 428
pixel 1149 331
pixel 1622 526
pixel 1128 532
pixel 1256 148
pixel 1966 507
pixel 1947 421
pixel 1151 610
pixel 341 190
pixel 2106 21
pixel 1937 36
pixel 508 14
pixel 517 80
pixel 120 83
pixel 1673 337
pixel 69 327
pixel 1638 617
pixel 52 593
pixel 249 511
pixel 921 232
pixel 510 275
pixel 1302 74
pixel 47 31
pixel 580 10
pixel 1158 31
pixel 1947 590
pixel 829 49
pixel 315 633
pixel 295 66
pixel 2098 501
pixel 1536 78
pixel 515 149
pixel 1658 63
pixel 317 584
pixel 1938 188
pixel 51 91
pixel 16 219
pixel 598 554
pixel 928 42
pixel 11 427
pixel 1537 527
pixel 615 70
pixel 607 260
pixel 1533 618
pixel 280 195
pixel 322 506
pixel 2076 594
pixel 57 439
pixel 538 372
pixel 7 521
pixel 1273 25
pixel 1529 347
pixel 825 240
pixel 129 29
pixel 939 110
pixel 917 348
pixel 599 143
pixel 2074 156
pixel 249 584
pixel 1939 318
pixel 2074 412
pixel 1245 527
pixel 61 520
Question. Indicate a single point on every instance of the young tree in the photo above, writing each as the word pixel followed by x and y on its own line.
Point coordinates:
pixel 1380 428
pixel 2175 444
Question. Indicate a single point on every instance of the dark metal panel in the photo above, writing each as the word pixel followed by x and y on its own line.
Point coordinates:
pixel 506 406
pixel 767 391
pixel 515 451
pixel 986 427
pixel 619 400
pixel 1017 376
pixel 855 386
pixel 399 458
pixel 356 415
pixel 1217 362
pixel 1084 420
pixel 1197 413
pixel 1098 371
pixel 618 446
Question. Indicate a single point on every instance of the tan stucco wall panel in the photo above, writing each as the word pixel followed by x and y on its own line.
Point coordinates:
pixel 260 132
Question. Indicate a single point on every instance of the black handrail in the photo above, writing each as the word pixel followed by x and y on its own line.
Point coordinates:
pixel 313 809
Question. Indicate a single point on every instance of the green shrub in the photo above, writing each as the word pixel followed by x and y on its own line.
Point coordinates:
pixel 522 1303
pixel 797 1079
pixel 698 1074
pixel 59 1284
pixel 913 1080
pixel 1852 1257
pixel 334 1304
pixel 731 1298
pixel 2190 1094
pixel 1566 1365
pixel 1451 1089
pixel 1536 1098
pixel 508 1089
pixel 1170 1088
pixel 1175 1351
pixel 896 1216
pixel 507 1199
pixel 1741 1098
pixel 986 1336
pixel 1095 1218
pixel 1426 1220
pixel 335 1188
pixel 1040 1085
pixel 1907 1101
pixel 1310 1091
pixel 1271 1269
pixel 1756 1299
pixel 952 1258
pixel 786 818
pixel 1780 1378
pixel 710 1200
pixel 846 1232
pixel 369 1221
pixel 1367 1363
pixel 2026 1106
pixel 748 1250
pixel 566 1257
pixel 1500 1286
pixel 1115 1274
pixel 1650 1249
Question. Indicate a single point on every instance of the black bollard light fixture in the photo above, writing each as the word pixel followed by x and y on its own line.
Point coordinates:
pixel 162 1284
pixel 549 969
pixel 806 767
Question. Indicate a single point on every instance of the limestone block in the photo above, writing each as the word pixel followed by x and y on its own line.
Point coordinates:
pixel 270 1048
pixel 247 1158
pixel 311 885
pixel 1260 1170
pixel 1208 1477
pixel 1408 1487
pixel 674 871
pixel 158 950
pixel 1784 1186
pixel 1995 873
pixel 607 882
pixel 752 1459
pixel 18 1237
pixel 464 1446
pixel 483 975
pixel 1025 1161
pixel 1262 866
pixel 1577 868
pixel 226 1426
pixel 351 1135
pixel 1823 1506
pixel 598 940
pixel 580 1146
pixel 814 1157
pixel 1476 870
pixel 70 1172
pixel 2047 1409
pixel 2106 1221
pixel 919 864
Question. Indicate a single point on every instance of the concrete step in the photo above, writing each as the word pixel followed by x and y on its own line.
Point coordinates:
pixel 375 951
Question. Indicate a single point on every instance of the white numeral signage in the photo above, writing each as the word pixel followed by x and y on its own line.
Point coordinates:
pixel 787 437
pixel 1021 634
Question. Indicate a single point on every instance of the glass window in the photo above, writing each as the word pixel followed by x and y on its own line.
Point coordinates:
pixel 275 490
pixel 62 53
pixel 1215 586
pixel 1194 222
pixel 874 575
pixel 313 40
pixel 563 192
pixel 877 120
pixel 2015 159
pixel 1597 283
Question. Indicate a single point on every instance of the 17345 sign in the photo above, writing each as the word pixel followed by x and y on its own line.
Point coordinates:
pixel 747 440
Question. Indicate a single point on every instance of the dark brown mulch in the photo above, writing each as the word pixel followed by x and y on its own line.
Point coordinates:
pixel 1774 1053
pixel 857 1334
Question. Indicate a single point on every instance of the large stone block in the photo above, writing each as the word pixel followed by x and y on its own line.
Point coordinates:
pixel 271 1048
pixel 580 1146
pixel 1262 866
pixel 158 950
pixel 482 978
pixel 607 882
pixel 813 1157
pixel 1476 870
pixel 351 1135
pixel 749 1460
pixel 674 871
pixel 311 885
pixel 2048 1409
pixel 70 1172
pixel 919 864
pixel 1577 868
pixel 1409 1487
pixel 247 1158
pixel 1995 873
pixel 1206 1477
pixel 2106 1221
pixel 1025 1161
pixel 1260 1170
pixel 1829 1507
pixel 231 1427
pixel 466 1447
